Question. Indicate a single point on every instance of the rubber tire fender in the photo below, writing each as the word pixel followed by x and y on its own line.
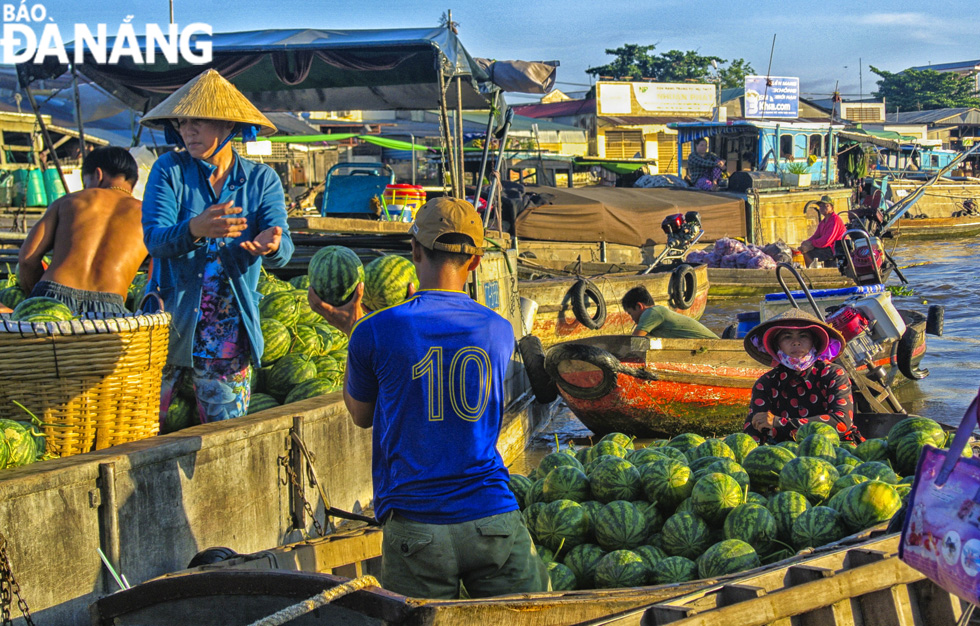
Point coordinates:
pixel 211 555
pixel 606 362
pixel 903 357
pixel 683 286
pixel 579 293
pixel 542 385
pixel 936 320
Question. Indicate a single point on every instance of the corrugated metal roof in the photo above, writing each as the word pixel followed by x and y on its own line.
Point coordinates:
pixel 557 109
pixel 957 115
pixel 637 120
pixel 939 67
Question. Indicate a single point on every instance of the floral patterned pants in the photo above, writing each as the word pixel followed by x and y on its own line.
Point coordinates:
pixel 221 386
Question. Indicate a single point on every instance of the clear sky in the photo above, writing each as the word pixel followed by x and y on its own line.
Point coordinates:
pixel 820 42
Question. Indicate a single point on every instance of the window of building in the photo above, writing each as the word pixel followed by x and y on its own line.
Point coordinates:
pixel 816 145
pixel 786 146
pixel 624 144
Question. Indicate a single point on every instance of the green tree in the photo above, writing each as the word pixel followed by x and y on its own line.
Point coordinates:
pixel 634 62
pixel 919 90
pixel 734 75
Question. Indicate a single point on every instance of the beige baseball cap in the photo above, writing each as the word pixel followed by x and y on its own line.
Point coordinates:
pixel 445 215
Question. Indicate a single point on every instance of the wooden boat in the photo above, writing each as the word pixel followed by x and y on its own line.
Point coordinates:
pixel 560 318
pixel 938 227
pixel 739 283
pixel 651 387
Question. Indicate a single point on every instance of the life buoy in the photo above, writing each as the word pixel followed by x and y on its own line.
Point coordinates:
pixel 903 357
pixel 542 385
pixel 578 296
pixel 211 555
pixel 936 320
pixel 683 287
pixel 604 361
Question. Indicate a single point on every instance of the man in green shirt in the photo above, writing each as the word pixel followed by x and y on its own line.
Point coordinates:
pixel 659 321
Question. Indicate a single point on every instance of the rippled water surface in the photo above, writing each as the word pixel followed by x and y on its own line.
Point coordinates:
pixel 940 272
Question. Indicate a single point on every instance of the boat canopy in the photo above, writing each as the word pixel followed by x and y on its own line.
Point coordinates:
pixel 881 138
pixel 627 216
pixel 692 131
pixel 315 70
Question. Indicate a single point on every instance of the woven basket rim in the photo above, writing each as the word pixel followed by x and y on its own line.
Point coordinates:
pixel 88 324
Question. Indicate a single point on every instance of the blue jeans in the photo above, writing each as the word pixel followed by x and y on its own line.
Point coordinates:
pixel 81 301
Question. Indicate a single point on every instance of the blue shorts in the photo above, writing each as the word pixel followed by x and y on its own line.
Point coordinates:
pixel 81 301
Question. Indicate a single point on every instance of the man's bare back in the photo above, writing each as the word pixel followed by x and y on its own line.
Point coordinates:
pixel 95 238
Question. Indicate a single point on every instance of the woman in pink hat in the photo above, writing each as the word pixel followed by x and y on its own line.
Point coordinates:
pixel 805 385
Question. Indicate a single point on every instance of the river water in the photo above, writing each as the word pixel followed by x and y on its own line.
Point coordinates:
pixel 940 272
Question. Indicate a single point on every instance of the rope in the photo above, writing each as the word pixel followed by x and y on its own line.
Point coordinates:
pixel 309 605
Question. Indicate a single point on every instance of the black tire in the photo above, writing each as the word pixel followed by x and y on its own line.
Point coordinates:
pixel 598 357
pixel 683 287
pixel 211 555
pixel 903 357
pixel 730 332
pixel 582 291
pixel 936 320
pixel 542 385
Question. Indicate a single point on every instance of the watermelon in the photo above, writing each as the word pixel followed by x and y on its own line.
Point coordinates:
pixel 519 486
pixel 613 478
pixel 536 492
pixel 644 455
pixel 565 483
pixel 685 534
pixel 562 525
pixel 785 507
pixel 905 451
pixel 809 476
pixel 686 506
pixel 756 498
pixel 592 508
pixel 280 306
pixel 181 413
pixel 698 465
pixel 876 470
pixel 845 455
pixel 792 446
pixel 753 524
pixel 300 282
pixel 621 568
pixel 872 450
pixel 764 465
pixel 711 447
pixel 625 441
pixel 651 514
pixel 312 388
pixel 605 448
pixel 967 449
pixel 261 402
pixel 868 504
pixel 335 272
pixel 815 527
pixel 304 314
pixel 17 438
pixel 562 578
pixel 620 525
pixel 558 459
pixel 675 569
pixel 288 372
pixel 729 467
pixel 583 560
pixel 12 296
pixel 329 369
pixel 666 482
pixel 531 514
pixel 546 555
pixel 740 444
pixel 908 480
pixel 674 453
pixel 686 441
pixel 818 446
pixel 581 455
pixel 844 470
pixel 269 285
pixel 846 481
pixel 821 428
pixel 714 497
pixel 652 555
pixel 41 309
pixel 727 557
pixel 277 340
pixel 327 336
pixel 306 341
pixel 386 281
pixel 913 424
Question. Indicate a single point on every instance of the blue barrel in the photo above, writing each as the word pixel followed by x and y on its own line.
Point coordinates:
pixel 746 322
pixel 53 187
pixel 36 195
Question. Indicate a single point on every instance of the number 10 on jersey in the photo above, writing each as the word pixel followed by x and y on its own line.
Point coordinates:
pixel 430 371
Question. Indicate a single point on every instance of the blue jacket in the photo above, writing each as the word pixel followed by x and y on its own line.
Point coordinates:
pixel 177 189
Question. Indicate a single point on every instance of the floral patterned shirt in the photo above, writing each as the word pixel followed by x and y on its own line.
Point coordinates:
pixel 820 393
pixel 219 333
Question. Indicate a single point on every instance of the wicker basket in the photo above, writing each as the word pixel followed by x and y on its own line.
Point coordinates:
pixel 94 382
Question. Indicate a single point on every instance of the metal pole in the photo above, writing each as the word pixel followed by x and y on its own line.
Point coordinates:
pixel 78 109
pixel 46 135
pixel 447 140
pixel 483 160
pixel 171 11
pixel 459 136
pixel 413 157
pixel 500 157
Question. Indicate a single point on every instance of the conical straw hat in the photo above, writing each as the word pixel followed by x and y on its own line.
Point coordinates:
pixel 827 340
pixel 209 96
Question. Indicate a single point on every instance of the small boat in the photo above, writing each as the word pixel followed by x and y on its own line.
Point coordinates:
pixel 938 227
pixel 739 283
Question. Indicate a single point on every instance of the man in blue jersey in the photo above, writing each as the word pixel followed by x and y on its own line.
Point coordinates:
pixel 428 375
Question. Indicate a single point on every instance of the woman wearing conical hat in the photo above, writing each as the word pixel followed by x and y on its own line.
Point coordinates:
pixel 805 385
pixel 211 219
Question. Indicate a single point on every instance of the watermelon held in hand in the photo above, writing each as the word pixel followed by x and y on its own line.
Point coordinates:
pixel 619 525
pixel 715 496
pixel 562 578
pixel 816 527
pixel 41 309
pixel 335 272
pixel 583 560
pixel 753 524
pixel 809 476
pixel 386 281
pixel 621 568
pixel 686 535
pixel 764 465
pixel 868 504
pixel 727 557
pixel 566 483
pixel 675 569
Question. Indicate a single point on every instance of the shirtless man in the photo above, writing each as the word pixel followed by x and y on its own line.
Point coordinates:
pixel 95 238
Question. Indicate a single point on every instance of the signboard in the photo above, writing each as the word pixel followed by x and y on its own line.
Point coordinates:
pixel 645 99
pixel 780 99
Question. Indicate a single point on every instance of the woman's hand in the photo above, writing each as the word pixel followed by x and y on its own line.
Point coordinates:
pixel 343 317
pixel 213 224
pixel 267 242
pixel 763 421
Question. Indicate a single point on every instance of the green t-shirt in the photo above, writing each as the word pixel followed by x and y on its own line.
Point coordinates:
pixel 659 321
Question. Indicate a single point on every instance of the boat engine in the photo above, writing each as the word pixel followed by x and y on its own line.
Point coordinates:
pixel 868 322
pixel 683 231
pixel 861 258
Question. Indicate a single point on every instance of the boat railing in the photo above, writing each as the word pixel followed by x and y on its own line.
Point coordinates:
pixel 780 267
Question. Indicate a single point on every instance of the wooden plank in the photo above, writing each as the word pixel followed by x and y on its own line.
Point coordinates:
pixel 730 594
pixel 888 607
pixel 799 574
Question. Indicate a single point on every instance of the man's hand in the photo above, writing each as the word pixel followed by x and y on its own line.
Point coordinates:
pixel 266 243
pixel 763 421
pixel 722 163
pixel 213 224
pixel 806 246
pixel 343 317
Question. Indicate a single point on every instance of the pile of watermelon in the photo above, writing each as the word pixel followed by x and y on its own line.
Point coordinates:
pixel 616 515
pixel 22 442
